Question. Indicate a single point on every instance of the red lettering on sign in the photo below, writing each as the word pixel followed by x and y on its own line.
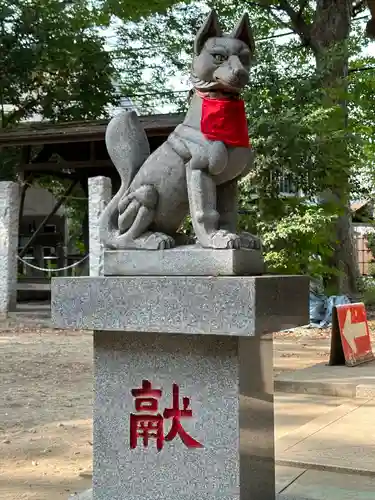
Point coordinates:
pixel 148 423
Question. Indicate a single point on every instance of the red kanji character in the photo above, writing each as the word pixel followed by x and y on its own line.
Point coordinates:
pixel 176 413
pixel 146 426
pixel 146 397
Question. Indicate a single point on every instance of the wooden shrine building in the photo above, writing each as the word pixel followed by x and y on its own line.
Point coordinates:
pixel 73 151
pixel 76 150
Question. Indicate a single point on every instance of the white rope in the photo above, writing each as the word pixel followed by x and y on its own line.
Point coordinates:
pixel 52 270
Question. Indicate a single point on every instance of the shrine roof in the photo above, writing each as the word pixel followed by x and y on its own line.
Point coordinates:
pixel 33 133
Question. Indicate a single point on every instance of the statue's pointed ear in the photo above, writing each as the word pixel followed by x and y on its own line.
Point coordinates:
pixel 210 29
pixel 244 32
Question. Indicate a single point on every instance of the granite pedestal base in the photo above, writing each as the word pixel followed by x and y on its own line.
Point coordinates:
pixel 205 338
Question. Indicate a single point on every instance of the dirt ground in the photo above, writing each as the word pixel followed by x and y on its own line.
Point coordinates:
pixel 45 413
pixel 46 400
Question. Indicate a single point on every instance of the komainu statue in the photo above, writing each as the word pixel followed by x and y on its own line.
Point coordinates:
pixel 197 168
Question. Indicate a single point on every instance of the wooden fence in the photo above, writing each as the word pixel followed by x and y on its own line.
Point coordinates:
pixel 364 254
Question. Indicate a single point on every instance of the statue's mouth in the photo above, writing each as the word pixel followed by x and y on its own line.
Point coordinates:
pixel 228 87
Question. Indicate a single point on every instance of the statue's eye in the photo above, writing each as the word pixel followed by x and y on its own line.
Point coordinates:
pixel 245 58
pixel 219 57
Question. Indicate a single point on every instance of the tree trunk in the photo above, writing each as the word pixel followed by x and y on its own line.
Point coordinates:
pixel 329 34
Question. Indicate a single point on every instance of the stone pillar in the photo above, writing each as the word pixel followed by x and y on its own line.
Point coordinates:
pixel 9 230
pixel 100 194
pixel 203 345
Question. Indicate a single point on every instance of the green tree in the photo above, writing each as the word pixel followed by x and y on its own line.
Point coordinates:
pixel 323 27
pixel 52 62
pixel 132 9
pixel 53 66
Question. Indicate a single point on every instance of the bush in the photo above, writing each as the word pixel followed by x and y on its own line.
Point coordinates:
pixel 370 237
pixel 299 242
pixel 371 269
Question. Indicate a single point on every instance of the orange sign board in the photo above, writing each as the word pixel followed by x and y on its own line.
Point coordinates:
pixel 354 335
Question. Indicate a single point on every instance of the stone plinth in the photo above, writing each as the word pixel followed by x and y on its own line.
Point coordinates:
pixel 183 261
pixel 207 336
pixel 186 305
pixel 9 214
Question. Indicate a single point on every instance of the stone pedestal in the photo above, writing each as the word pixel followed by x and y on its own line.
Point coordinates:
pixel 100 194
pixel 206 344
pixel 189 260
pixel 9 229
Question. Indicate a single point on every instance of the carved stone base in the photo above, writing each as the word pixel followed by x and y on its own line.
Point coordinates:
pixel 183 261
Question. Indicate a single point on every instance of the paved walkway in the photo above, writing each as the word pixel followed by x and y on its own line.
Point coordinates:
pixel 330 456
pixel 302 484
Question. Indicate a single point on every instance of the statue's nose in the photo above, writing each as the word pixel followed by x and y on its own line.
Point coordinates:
pixel 238 70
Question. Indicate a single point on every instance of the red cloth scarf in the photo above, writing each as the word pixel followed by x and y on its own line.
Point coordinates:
pixel 224 120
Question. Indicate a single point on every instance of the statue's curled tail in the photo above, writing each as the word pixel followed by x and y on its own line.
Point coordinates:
pixel 128 149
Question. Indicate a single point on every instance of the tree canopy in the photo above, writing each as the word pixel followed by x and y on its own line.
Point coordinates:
pixel 52 62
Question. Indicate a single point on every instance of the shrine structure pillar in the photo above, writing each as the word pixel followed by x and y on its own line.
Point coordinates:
pixel 183 380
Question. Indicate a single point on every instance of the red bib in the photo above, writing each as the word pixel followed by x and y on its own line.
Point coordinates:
pixel 224 120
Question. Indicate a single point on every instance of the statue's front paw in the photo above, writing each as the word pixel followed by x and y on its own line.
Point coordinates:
pixel 250 241
pixel 157 241
pixel 223 239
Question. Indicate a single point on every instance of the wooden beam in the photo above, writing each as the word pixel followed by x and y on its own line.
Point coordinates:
pixel 25 154
pixel 37 134
pixel 26 183
pixel 58 167
pixel 58 175
pixel 92 151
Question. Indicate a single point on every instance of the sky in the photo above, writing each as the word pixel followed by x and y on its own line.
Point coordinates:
pixel 179 82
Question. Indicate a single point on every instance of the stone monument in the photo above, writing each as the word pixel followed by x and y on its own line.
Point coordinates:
pixel 181 330
pixel 195 171
pixel 9 228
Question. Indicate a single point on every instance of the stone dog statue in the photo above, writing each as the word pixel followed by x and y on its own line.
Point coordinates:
pixel 197 168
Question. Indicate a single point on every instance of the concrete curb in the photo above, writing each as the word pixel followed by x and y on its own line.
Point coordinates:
pixel 336 389
pixel 286 496
pixel 327 468
pixel 86 495
pixel 324 380
pixel 342 390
